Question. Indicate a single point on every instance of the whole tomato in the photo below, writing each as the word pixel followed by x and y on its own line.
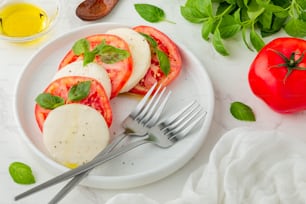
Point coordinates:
pixel 278 74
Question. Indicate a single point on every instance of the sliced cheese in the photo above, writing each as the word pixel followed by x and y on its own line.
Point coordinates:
pixel 140 51
pixel 74 134
pixel 92 70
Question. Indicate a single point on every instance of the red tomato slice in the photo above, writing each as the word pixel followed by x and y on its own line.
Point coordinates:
pixel 119 72
pixel 96 99
pixel 154 73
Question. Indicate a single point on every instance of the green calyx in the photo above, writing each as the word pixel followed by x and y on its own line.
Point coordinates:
pixel 290 63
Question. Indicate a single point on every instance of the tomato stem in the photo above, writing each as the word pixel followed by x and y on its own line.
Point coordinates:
pixel 290 63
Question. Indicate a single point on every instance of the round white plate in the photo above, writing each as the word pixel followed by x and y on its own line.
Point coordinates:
pixel 142 165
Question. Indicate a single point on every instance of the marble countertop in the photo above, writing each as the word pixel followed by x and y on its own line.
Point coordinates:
pixel 228 75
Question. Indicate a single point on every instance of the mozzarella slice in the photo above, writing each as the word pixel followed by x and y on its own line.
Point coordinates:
pixel 74 134
pixel 92 70
pixel 140 51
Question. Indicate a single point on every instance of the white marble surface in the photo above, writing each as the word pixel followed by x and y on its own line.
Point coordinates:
pixel 228 74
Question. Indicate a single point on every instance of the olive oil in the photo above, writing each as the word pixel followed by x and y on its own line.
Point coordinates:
pixel 22 19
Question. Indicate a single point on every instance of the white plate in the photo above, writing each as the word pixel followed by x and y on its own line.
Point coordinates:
pixel 141 166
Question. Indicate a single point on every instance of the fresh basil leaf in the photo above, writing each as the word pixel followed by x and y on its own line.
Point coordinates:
pixel 191 16
pixel 207 28
pixel 79 91
pixel 296 27
pixel 244 38
pixel 150 12
pixel 49 101
pixel 110 54
pixel 21 173
pixel 88 58
pixel 228 27
pixel 81 46
pixel 151 41
pixel 256 40
pixel 164 62
pixel 242 111
pixel 218 44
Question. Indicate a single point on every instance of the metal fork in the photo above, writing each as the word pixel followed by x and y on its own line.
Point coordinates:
pixel 144 116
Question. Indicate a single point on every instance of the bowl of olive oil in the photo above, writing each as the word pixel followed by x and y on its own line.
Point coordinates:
pixel 28 20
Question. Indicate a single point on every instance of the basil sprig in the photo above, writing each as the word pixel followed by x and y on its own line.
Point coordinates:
pixel 242 111
pixel 21 173
pixel 76 93
pixel 151 13
pixel 162 57
pixel 255 19
pixel 108 54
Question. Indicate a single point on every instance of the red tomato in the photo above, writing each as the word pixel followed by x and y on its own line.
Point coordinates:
pixel 118 72
pixel 154 73
pixel 278 74
pixel 97 98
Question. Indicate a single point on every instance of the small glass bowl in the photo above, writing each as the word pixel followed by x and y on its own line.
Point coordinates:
pixel 51 9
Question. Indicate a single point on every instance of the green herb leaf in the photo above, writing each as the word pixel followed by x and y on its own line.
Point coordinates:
pixel 228 26
pixel 241 111
pixel 296 27
pixel 151 41
pixel 256 40
pixel 21 173
pixel 164 62
pixel 49 101
pixel 79 91
pixel 207 28
pixel 150 12
pixel 81 46
pixel 111 55
pixel 218 44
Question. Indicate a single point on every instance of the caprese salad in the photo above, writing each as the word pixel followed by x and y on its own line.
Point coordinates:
pixel 74 111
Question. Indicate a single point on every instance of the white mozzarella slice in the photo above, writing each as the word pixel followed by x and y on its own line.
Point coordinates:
pixel 74 134
pixel 92 70
pixel 140 51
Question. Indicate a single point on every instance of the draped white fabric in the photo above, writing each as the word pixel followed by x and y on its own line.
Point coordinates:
pixel 246 166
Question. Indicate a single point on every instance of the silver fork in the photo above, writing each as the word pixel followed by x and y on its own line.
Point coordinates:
pixel 144 116
pixel 164 135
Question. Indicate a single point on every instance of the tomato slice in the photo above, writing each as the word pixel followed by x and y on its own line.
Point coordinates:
pixel 97 98
pixel 154 73
pixel 119 72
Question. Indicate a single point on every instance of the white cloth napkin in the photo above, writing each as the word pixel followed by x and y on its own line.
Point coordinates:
pixel 246 166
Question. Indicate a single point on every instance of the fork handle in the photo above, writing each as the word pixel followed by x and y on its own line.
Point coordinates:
pixel 88 166
pixel 78 178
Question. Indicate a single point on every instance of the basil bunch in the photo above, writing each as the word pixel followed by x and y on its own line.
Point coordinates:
pixel 222 19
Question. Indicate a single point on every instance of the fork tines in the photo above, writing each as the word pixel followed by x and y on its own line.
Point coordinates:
pixel 180 124
pixel 153 105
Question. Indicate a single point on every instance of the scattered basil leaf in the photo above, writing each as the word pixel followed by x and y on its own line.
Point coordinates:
pixel 79 91
pixel 49 101
pixel 21 173
pixel 164 62
pixel 242 111
pixel 150 12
